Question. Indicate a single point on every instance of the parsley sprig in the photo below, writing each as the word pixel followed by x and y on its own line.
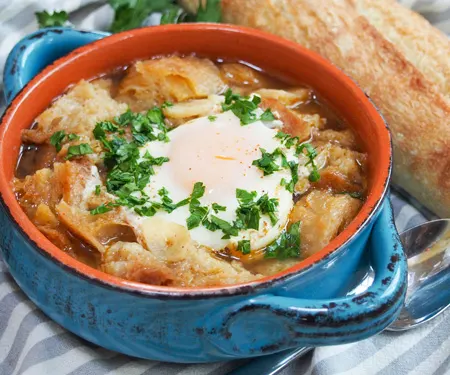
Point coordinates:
pixel 311 153
pixel 249 211
pixel 128 172
pixel 244 108
pixel 198 212
pixel 46 19
pixel 244 247
pixel 78 150
pixel 268 161
pixel 275 161
pixel 58 138
pixel 130 14
pixel 287 245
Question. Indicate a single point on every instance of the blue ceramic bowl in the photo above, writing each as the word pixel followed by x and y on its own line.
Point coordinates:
pixel 350 293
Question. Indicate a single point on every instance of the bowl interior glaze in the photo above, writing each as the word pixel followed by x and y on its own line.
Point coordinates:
pixel 276 56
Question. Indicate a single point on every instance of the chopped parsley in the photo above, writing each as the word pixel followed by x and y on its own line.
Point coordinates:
pixel 249 211
pixel 244 197
pixel 198 212
pixel 127 172
pixel 57 139
pixel 73 137
pixel 170 15
pixel 268 161
pixel 268 206
pixel 97 190
pixel 103 208
pixel 267 115
pixel 210 12
pixel 167 203
pixel 244 247
pixel 217 207
pixel 212 118
pixel 287 245
pixel 78 150
pixel 130 14
pixel 311 153
pixel 287 140
pixel 167 104
pixel 46 19
pixel 245 107
pixel 293 166
pixel 227 228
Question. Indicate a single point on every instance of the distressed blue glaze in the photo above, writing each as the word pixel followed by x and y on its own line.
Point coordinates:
pixel 37 50
pixel 312 307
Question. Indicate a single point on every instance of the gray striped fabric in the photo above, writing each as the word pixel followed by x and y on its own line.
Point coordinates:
pixel 31 344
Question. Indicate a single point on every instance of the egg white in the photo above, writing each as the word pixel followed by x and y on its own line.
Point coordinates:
pixel 219 152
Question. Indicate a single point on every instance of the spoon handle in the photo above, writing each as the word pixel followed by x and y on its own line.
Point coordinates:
pixel 271 364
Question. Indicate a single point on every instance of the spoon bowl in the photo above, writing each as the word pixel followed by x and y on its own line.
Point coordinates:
pixel 427 247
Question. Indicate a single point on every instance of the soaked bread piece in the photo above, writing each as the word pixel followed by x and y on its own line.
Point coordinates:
pixel 396 57
pixel 323 216
pixel 131 261
pixel 171 79
pixel 344 170
pixel 344 138
pixel 75 112
pixel 193 265
pixel 242 79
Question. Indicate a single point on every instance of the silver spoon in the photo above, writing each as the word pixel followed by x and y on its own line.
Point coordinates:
pixel 427 248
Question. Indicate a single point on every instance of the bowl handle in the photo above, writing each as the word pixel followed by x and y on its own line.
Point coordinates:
pixel 269 323
pixel 39 49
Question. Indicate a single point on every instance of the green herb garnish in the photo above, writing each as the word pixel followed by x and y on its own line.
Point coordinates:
pixel 128 171
pixel 287 245
pixel 170 15
pixel 293 166
pixel 217 207
pixel 244 247
pixel 130 14
pixel 243 107
pixel 267 115
pixel 198 212
pixel 249 211
pixel 97 190
pixel 211 12
pixel 212 118
pixel 287 140
pixel 311 153
pixel 268 161
pixel 167 104
pixel 268 206
pixel 73 137
pixel 227 228
pixel 103 208
pixel 57 139
pixel 55 19
pixel 78 150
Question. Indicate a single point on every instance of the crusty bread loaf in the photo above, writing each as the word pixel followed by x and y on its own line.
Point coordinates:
pixel 423 45
pixel 399 59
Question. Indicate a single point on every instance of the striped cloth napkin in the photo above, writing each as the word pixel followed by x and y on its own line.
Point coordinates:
pixel 31 344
